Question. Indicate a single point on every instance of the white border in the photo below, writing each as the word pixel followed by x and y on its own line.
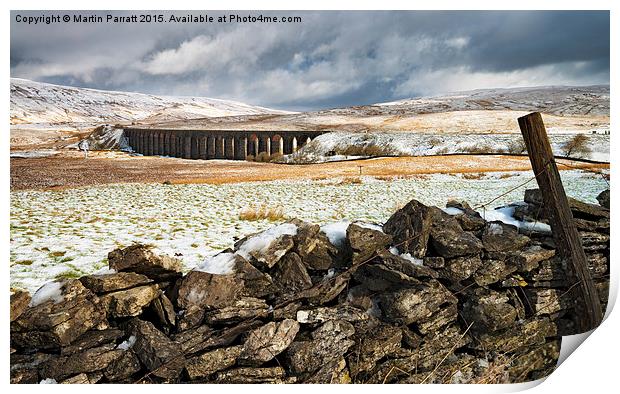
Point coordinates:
pixel 592 368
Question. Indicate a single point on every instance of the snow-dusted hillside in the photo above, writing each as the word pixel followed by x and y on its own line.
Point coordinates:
pixel 556 100
pixel 36 102
pixel 565 109
pixel 348 146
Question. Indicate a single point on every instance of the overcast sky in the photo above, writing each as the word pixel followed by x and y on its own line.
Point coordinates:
pixel 330 59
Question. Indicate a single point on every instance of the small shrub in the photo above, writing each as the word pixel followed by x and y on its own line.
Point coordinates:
pixel 434 141
pixel 249 158
pixel 517 147
pixel 442 151
pixel 479 149
pixel 473 176
pixel 351 181
pixel 263 157
pixel 274 158
pixel 576 146
pixel 369 149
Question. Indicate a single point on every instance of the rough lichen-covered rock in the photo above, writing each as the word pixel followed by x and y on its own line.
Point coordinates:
pixel 375 342
pixel 206 290
pixel 19 302
pixel 106 283
pixel 242 309
pixel 378 277
pixel 502 237
pixel 52 322
pixel 25 368
pixel 548 301
pixel 266 342
pixel 520 336
pixel 92 338
pixel 324 314
pixel 580 210
pixel 414 304
pixel 366 241
pixel 469 219
pixel 528 364
pixel 164 310
pixel 159 355
pixel 266 248
pixel 492 271
pixel 130 302
pixel 433 349
pixel 489 311
pixel 327 290
pixel 410 228
pixel 449 239
pixel 314 248
pixel 123 368
pixel 460 268
pixel 90 360
pixel 334 372
pixel 248 375
pixel 603 198
pixel 253 282
pixel 329 342
pixel 291 274
pixel 529 258
pixel 201 367
pixel 142 260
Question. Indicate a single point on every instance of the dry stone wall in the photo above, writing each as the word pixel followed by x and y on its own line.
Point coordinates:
pixel 429 297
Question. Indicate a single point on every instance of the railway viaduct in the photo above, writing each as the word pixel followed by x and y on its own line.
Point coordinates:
pixel 216 144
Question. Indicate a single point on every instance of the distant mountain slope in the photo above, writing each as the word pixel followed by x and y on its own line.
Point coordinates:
pixel 556 100
pixel 566 109
pixel 36 102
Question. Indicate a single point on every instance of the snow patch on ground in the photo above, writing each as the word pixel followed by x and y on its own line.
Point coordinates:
pixel 48 381
pixel 68 233
pixel 49 291
pixel 33 154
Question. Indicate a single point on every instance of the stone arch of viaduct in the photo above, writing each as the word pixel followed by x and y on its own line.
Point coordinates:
pixel 216 144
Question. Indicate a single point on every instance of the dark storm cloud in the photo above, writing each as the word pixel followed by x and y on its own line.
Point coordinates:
pixel 330 59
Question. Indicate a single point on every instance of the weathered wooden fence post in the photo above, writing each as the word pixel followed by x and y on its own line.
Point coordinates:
pixel 567 239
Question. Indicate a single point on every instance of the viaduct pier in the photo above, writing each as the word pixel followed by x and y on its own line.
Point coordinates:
pixel 216 144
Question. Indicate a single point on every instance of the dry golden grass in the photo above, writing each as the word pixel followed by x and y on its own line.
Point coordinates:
pixel 351 181
pixel 70 170
pixel 473 176
pixel 263 212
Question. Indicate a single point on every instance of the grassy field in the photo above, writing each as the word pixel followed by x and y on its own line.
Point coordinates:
pixel 68 233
